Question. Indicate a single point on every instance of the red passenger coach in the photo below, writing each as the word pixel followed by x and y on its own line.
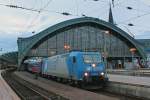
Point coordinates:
pixel 36 69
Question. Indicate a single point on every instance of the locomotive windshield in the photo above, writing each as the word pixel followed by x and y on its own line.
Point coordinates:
pixel 92 58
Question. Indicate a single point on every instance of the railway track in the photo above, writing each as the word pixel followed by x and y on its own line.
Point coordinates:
pixel 27 91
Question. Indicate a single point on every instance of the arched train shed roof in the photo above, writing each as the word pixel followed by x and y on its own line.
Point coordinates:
pixel 25 44
pixel 10 57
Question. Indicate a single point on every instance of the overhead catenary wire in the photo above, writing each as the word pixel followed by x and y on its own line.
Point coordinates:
pixel 39 10
pixel 116 3
pixel 131 8
pixel 119 3
pixel 137 26
pixel 37 16
pixel 19 7
pixel 96 0
pixel 42 9
pixel 144 3
pixel 94 10
pixel 77 6
pixel 29 18
pixel 70 14
pixel 134 18
pixel 46 5
pixel 105 10
pixel 31 9
pixel 129 31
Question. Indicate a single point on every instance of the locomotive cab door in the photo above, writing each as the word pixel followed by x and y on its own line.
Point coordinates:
pixel 73 67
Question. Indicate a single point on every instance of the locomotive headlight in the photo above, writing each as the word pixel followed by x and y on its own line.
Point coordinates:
pixel 86 74
pixel 102 73
pixel 93 65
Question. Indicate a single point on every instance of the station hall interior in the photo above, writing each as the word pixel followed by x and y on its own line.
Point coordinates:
pixel 119 49
pixel 75 55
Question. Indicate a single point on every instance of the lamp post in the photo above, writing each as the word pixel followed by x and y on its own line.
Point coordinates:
pixel 1 49
pixel 105 54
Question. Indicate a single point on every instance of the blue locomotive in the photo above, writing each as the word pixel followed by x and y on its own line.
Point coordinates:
pixel 76 66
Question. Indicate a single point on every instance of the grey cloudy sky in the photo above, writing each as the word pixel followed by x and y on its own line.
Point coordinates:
pixel 21 23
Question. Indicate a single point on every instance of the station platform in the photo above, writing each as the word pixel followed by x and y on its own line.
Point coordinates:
pixel 6 93
pixel 139 72
pixel 65 91
pixel 125 70
pixel 133 80
pixel 136 86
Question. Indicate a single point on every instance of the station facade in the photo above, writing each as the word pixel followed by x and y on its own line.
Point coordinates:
pixel 84 34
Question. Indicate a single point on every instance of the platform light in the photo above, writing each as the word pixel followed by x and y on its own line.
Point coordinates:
pixel 132 50
pixel 67 47
pixel 107 32
pixel 52 52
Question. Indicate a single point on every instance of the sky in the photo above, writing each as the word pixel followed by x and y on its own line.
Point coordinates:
pixel 16 22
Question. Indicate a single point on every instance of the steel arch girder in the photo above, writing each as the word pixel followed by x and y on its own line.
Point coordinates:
pixel 31 41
